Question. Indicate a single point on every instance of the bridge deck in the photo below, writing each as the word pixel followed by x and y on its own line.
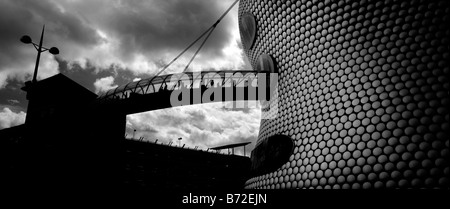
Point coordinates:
pixel 191 87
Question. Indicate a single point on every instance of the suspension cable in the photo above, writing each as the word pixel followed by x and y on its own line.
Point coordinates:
pixel 179 55
pixel 210 30
pixel 196 52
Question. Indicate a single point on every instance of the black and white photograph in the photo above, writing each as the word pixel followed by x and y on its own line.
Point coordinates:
pixel 225 103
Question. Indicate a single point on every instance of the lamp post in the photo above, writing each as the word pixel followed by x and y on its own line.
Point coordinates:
pixel 53 50
pixel 29 86
pixel 179 142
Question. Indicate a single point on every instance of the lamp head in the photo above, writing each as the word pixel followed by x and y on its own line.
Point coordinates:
pixel 54 50
pixel 25 39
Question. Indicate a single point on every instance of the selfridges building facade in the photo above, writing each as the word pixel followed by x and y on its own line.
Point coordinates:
pixel 362 95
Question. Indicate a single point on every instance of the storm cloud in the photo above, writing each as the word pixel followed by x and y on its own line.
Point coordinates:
pixel 9 118
pixel 139 36
pixel 206 125
pixel 108 43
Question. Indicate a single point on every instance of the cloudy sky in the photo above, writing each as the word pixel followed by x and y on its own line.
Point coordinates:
pixel 108 43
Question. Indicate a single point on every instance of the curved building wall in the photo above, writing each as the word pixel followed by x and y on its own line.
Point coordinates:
pixel 362 91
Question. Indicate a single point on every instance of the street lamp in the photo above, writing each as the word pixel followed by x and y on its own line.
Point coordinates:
pixel 29 86
pixel 53 50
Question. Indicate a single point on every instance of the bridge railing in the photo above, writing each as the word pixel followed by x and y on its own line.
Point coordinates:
pixel 170 144
pixel 188 80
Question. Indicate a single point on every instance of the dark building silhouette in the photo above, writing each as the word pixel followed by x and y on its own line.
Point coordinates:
pixel 71 143
pixel 150 166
